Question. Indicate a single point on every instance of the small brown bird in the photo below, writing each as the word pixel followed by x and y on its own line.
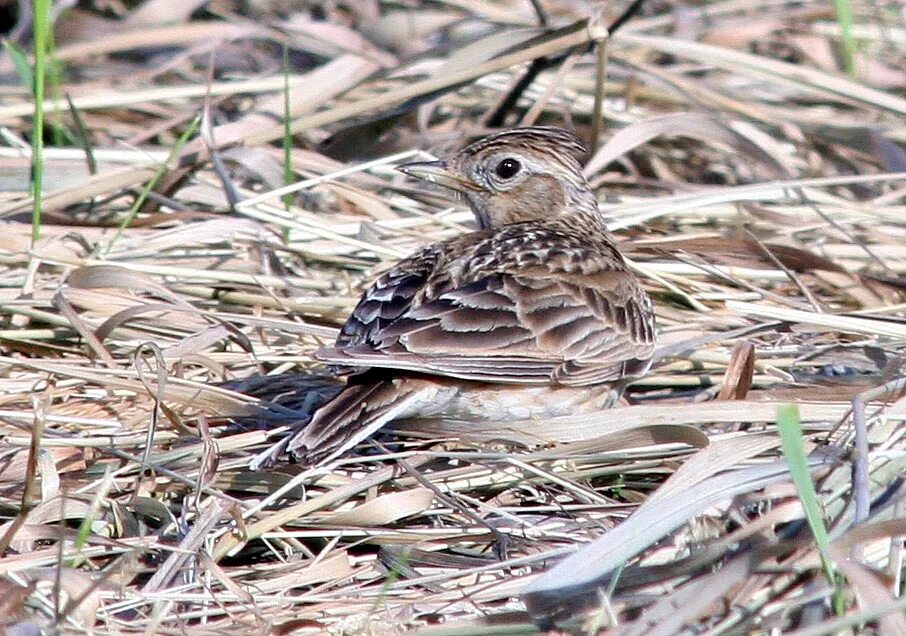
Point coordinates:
pixel 533 315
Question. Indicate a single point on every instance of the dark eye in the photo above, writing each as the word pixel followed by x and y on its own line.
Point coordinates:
pixel 507 168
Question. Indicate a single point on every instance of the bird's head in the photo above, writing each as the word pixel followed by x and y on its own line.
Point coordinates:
pixel 521 174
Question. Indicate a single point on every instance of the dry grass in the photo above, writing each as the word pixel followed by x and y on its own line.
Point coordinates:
pixel 760 193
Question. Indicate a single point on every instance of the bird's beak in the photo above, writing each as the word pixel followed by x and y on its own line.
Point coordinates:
pixel 436 172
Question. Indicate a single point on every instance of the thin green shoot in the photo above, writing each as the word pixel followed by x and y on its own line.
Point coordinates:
pixel 80 137
pixel 161 170
pixel 54 72
pixel 20 62
pixel 392 576
pixel 41 37
pixel 85 527
pixel 288 175
pixel 844 12
pixel 790 428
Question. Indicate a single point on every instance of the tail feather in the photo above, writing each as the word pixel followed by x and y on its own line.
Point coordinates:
pixel 353 415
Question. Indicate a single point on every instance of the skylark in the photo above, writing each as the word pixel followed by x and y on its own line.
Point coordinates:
pixel 534 314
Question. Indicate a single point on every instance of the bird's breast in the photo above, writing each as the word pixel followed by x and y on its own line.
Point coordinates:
pixel 477 402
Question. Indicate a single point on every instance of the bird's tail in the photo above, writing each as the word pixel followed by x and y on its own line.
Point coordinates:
pixel 357 412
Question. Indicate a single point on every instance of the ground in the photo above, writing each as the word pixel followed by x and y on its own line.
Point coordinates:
pixel 157 335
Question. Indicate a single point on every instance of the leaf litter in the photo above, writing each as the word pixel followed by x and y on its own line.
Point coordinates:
pixel 758 191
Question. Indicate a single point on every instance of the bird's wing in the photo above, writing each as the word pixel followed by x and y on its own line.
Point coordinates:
pixel 526 306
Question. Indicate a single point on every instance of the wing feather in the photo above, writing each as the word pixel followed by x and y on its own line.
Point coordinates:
pixel 502 308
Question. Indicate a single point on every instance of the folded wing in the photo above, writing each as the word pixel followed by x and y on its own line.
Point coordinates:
pixel 504 309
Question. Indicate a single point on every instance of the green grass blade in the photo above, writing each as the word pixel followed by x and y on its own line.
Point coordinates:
pixel 392 577
pixel 21 64
pixel 54 73
pixel 82 138
pixel 41 36
pixel 790 427
pixel 288 175
pixel 140 200
pixel 844 12
pixel 94 513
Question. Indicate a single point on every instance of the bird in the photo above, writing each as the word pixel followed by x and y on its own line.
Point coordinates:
pixel 536 313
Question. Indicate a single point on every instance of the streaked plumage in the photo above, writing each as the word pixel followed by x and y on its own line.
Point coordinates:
pixel 538 297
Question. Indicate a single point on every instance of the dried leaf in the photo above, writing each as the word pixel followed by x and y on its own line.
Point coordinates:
pixel 384 510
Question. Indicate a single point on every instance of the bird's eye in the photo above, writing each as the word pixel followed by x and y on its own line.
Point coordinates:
pixel 507 168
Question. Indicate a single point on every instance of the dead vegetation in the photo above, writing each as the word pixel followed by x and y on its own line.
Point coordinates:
pixel 760 192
